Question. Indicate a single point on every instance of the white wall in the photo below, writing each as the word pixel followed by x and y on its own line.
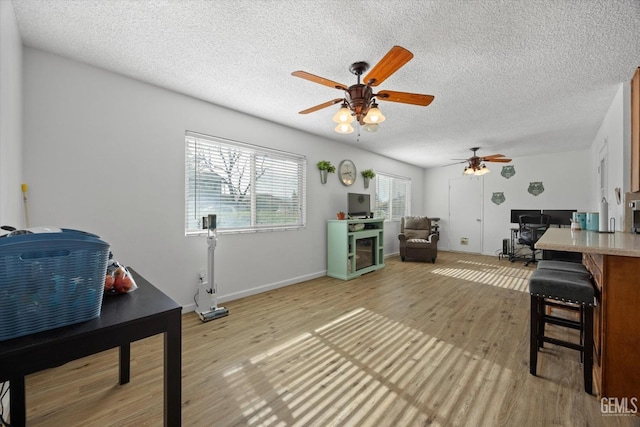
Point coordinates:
pixel 105 154
pixel 614 138
pixel 566 178
pixel 11 211
pixel 11 206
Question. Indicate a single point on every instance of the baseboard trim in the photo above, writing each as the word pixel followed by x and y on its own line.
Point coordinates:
pixel 260 289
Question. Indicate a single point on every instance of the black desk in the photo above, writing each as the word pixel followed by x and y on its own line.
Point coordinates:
pixel 123 319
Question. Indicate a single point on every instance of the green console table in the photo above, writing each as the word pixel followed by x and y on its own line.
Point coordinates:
pixel 354 247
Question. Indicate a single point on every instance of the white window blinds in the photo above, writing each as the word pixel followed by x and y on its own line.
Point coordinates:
pixel 393 196
pixel 247 187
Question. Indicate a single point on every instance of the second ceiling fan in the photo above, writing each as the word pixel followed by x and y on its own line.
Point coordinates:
pixel 359 102
pixel 476 164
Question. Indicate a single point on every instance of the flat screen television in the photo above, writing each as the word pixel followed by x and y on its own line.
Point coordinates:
pixel 358 205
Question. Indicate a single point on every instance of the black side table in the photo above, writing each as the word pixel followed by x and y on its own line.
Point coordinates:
pixel 123 319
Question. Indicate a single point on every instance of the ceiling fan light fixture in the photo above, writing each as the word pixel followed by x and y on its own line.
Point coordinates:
pixel 343 115
pixel 482 170
pixel 371 127
pixel 344 128
pixel 374 115
pixel 476 170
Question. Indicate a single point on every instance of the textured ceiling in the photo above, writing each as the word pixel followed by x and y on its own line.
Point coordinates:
pixel 517 77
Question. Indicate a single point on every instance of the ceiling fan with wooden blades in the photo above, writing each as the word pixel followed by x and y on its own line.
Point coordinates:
pixel 476 164
pixel 359 102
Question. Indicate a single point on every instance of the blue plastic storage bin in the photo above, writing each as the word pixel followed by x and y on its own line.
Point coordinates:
pixel 48 280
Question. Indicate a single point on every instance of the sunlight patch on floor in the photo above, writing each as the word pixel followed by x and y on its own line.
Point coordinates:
pixel 364 369
pixel 489 274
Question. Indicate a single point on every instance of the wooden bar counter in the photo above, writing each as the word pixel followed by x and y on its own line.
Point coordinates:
pixel 614 261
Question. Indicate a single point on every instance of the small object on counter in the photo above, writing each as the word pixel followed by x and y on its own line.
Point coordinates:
pixel 603 224
pixel 592 221
pixel 575 225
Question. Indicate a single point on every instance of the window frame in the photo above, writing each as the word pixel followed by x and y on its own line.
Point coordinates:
pixel 191 176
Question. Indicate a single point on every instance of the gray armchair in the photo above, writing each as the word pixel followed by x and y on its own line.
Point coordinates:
pixel 417 240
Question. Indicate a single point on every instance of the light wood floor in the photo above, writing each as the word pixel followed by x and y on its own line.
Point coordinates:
pixel 413 344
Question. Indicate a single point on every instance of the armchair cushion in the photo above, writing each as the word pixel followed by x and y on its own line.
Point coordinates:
pixel 418 243
pixel 416 234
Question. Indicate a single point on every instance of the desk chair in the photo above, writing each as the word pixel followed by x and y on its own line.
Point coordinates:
pixel 531 228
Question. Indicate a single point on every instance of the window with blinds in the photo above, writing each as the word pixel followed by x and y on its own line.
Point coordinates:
pixel 393 194
pixel 247 187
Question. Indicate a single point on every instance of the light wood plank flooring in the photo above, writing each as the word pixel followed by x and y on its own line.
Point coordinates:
pixel 413 344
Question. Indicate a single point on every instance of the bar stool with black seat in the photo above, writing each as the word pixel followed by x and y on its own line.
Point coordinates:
pixel 547 286
pixel 568 266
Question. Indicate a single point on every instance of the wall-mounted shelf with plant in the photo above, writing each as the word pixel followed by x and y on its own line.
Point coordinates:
pixel 325 168
pixel 367 174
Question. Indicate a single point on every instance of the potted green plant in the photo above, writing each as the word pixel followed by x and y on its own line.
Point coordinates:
pixel 367 174
pixel 325 168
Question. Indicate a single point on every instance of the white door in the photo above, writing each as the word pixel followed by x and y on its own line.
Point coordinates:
pixel 465 220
